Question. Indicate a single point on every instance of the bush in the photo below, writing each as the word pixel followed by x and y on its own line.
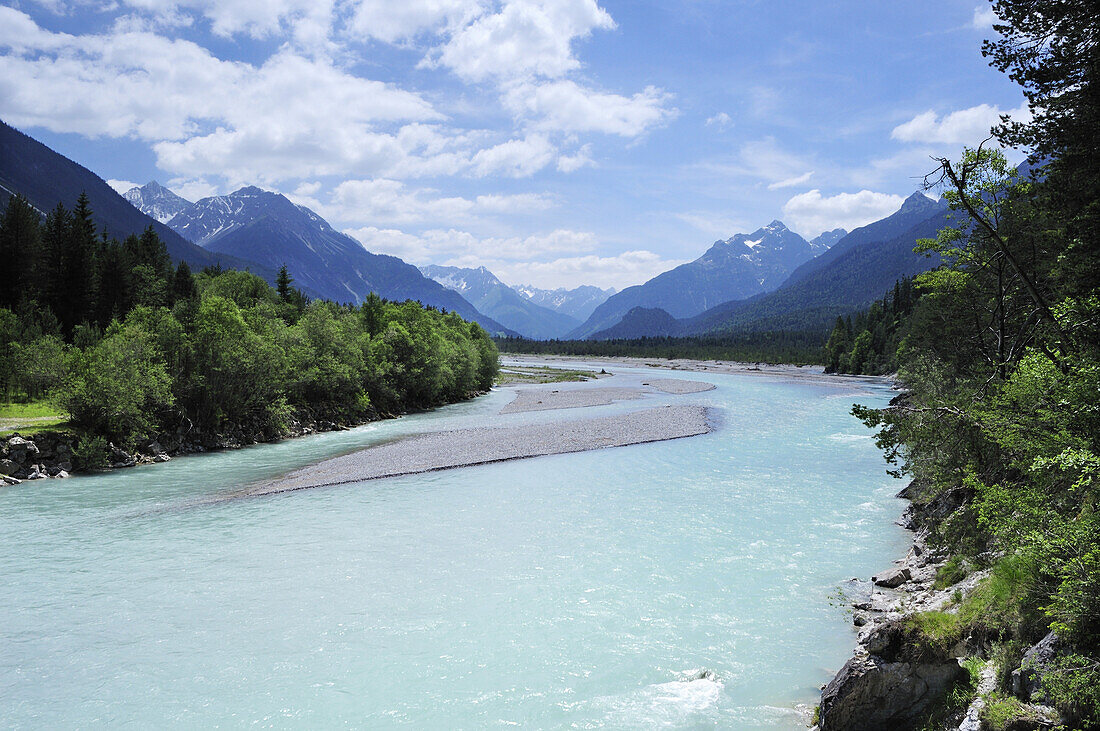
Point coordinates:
pixel 90 453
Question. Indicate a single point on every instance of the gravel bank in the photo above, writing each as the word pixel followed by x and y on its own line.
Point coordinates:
pixel 466 447
pixel 677 386
pixel 542 400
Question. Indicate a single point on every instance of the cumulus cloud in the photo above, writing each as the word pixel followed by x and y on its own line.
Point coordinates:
pixel 619 271
pixel 392 202
pixel 961 127
pixel 581 158
pixel 515 158
pixel 122 186
pixel 810 213
pixel 569 107
pixel 524 38
pixel 392 22
pixel 462 248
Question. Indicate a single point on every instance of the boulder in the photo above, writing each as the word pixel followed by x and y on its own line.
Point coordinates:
pixel 1025 679
pixel 893 578
pixel 7 467
pixel 8 480
pixel 20 449
pixel 872 693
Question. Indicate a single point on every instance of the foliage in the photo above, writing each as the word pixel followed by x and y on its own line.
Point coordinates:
pixel 133 346
pixel 869 344
pixel 90 453
pixel 1001 360
pixel 752 347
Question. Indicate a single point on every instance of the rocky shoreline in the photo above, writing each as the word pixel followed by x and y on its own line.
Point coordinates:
pixel 53 454
pixel 897 678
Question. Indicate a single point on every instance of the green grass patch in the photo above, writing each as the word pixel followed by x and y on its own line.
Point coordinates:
pixel 952 572
pixel 542 374
pixel 1001 709
pixel 30 417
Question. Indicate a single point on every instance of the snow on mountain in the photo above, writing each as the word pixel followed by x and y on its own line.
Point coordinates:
pixel 156 201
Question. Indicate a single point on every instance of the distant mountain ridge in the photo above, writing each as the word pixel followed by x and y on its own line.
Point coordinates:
pixel 739 267
pixel 156 201
pixel 577 303
pixel 860 268
pixel 46 178
pixel 267 227
pixel 496 299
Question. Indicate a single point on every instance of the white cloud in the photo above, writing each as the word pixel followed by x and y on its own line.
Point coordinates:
pixel 569 107
pixel 193 189
pixel 811 213
pixel 984 18
pixel 461 248
pixel 961 127
pixel 720 120
pixel 791 182
pixel 622 270
pixel 515 158
pixel 122 186
pixel 572 163
pixel 383 201
pixel 392 21
pixel 524 38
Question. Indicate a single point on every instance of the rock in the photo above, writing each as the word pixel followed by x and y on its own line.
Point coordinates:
pixel 65 466
pixel 20 449
pixel 1025 679
pixel 972 721
pixel 162 457
pixel 61 475
pixel 36 474
pixel 7 466
pixel 859 619
pixel 893 578
pixel 8 480
pixel 870 693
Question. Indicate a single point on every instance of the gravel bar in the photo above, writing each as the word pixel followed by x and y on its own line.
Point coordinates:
pixel 540 399
pixel 678 386
pixel 466 447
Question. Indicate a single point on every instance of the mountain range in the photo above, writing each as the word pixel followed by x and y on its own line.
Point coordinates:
pixel 266 227
pixel 737 268
pixel 47 178
pixel 501 302
pixel 770 279
pixel 156 201
pixel 858 269
pixel 578 303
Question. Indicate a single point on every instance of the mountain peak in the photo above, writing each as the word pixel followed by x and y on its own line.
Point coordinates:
pixel 249 190
pixel 156 201
pixel 776 225
pixel 915 202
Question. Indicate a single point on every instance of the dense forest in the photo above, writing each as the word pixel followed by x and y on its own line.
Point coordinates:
pixel 1000 356
pixel 869 342
pixel 797 347
pixel 130 345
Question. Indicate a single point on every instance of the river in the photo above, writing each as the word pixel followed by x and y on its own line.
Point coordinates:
pixel 581 590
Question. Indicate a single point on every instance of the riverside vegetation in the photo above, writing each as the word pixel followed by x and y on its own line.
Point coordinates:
pixel 137 351
pixel 999 426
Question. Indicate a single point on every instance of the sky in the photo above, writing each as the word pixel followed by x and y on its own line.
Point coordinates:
pixel 556 142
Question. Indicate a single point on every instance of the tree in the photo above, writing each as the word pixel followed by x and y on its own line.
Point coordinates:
pixel 282 284
pixel 120 385
pixel 20 244
pixel 1052 49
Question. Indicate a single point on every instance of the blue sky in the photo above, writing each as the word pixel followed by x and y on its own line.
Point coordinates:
pixel 558 142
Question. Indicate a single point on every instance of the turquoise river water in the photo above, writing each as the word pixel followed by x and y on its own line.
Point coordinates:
pixel 571 591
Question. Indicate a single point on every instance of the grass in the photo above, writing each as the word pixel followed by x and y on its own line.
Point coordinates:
pixel 952 572
pixel 30 418
pixel 1001 709
pixel 542 374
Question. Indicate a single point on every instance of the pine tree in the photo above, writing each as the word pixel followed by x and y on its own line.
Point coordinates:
pixel 20 247
pixel 282 284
